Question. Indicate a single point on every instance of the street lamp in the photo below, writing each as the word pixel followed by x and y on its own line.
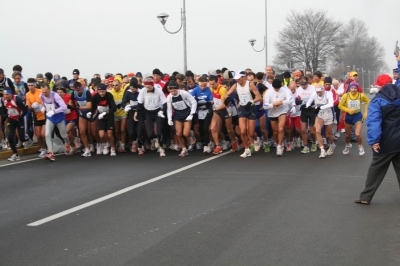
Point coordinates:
pixel 163 17
pixel 290 62
pixel 252 41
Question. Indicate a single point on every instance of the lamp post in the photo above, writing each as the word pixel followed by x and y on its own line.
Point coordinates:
pixel 252 41
pixel 163 17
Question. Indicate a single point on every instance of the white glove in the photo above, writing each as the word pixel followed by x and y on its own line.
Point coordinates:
pixel 89 115
pixel 127 108
pixel 43 110
pixel 68 111
pixel 293 111
pixel 102 115
pixel 189 118
pixel 160 114
pixel 35 105
pixel 170 122
pixel 50 113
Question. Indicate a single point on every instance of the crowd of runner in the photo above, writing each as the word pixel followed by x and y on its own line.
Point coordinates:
pixel 215 112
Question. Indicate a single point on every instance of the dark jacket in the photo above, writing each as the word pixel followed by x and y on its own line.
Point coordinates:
pixel 383 120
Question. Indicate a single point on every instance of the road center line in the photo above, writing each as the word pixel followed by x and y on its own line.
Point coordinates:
pixel 122 191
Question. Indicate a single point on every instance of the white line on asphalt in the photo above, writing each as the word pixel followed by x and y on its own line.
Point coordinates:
pixel 24 161
pixel 119 192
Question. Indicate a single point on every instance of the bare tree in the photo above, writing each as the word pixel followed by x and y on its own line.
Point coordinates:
pixel 359 50
pixel 307 41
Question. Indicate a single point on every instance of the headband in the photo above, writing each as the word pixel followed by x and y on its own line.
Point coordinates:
pixel 148 83
pixel 31 84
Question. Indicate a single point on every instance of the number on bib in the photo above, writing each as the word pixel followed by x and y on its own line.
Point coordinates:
pixel 13 112
pixel 202 114
pixel 179 105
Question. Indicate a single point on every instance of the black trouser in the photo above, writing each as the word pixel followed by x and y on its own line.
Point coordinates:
pixel 205 128
pixel 13 126
pixel 377 171
pixel 337 113
pixel 151 118
pixel 132 126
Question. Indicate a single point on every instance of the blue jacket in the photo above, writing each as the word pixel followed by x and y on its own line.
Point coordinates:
pixel 383 120
pixel 398 71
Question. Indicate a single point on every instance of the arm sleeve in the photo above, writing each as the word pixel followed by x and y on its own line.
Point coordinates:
pixel 94 103
pixel 163 99
pixel 330 101
pixel 62 106
pixel 193 103
pixel 21 105
pixel 140 97
pixel 311 99
pixel 11 85
pixel 169 107
pixel 89 97
pixel 335 97
pixel 125 99
pixel 342 104
pixel 374 123
pixel 112 105
pixel 266 100
pixel 289 99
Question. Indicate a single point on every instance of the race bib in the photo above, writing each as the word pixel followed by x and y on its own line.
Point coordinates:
pixel 234 111
pixel 353 104
pixel 118 102
pixel 50 107
pixel 179 105
pixel 244 99
pixel 82 103
pixel 103 109
pixel 13 112
pixel 133 103
pixel 151 102
pixel 68 111
pixel 38 108
pixel 217 102
pixel 202 114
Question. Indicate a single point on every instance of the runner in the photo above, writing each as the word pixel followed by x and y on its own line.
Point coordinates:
pixel 14 112
pixel 120 116
pixel 293 125
pixel 277 101
pixel 261 112
pixel 325 117
pixel 54 107
pixel 71 117
pixel 81 99
pixel 104 103
pixel 129 102
pixel 154 103
pixel 184 107
pixel 248 95
pixel 351 104
pixel 34 103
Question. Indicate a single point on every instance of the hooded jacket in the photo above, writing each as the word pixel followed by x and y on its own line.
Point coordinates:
pixel 383 120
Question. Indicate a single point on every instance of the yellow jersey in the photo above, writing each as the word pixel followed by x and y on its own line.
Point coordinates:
pixel 118 96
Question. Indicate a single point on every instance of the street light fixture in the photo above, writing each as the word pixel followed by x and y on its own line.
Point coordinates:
pixel 252 41
pixel 163 17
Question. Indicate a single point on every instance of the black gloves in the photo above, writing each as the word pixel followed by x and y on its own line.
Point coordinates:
pixel 302 107
pixel 247 106
pixel 119 106
pixel 317 110
pixel 298 101
pixel 227 101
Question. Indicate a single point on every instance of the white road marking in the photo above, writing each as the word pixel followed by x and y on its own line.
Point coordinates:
pixel 122 191
pixel 25 161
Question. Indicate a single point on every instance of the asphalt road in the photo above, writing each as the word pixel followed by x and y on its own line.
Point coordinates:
pixel 263 210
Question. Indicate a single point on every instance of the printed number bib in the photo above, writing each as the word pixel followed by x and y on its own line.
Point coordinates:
pixel 217 102
pixel 179 105
pixel 133 103
pixel 13 112
pixel 234 111
pixel 151 102
pixel 37 109
pixel 103 109
pixel 50 107
pixel 353 104
pixel 202 114
pixel 244 99
pixel 82 103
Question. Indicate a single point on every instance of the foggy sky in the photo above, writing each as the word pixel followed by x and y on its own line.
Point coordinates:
pixel 98 36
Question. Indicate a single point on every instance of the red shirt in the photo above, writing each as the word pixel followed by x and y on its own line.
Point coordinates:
pixel 161 83
pixel 73 115
pixel 335 96
pixel 12 108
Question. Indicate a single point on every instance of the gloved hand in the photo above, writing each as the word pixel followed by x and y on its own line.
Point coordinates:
pixel 309 107
pixel 161 114
pixel 317 110
pixel 102 115
pixel 189 118
pixel 89 115
pixel 170 122
pixel 119 106
pixel 127 108
pixel 302 107
pixel 43 110
pixel 68 111
pixel 293 111
pixel 50 113
pixel 298 101
pixel 35 105
pixel 227 101
pixel 69 106
pixel 248 105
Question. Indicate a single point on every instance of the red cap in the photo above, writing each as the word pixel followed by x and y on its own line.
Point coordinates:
pixel 131 74
pixel 111 78
pixel 383 79
pixel 166 78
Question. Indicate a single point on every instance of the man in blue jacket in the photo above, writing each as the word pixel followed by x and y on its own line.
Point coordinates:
pixel 383 134
pixel 397 80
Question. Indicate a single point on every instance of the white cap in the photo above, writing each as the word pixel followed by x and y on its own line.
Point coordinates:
pixel 239 74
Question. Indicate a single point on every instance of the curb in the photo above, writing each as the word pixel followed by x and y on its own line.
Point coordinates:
pixel 21 151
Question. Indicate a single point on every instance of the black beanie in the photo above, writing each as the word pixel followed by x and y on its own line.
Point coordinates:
pixel 156 71
pixel 276 83
pixel 328 80
pixel 134 83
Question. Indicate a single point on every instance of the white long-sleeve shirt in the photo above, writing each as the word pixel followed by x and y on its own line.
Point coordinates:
pixel 314 97
pixel 188 101
pixel 152 100
pixel 272 96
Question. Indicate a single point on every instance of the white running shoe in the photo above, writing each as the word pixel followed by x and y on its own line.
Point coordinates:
pixel 246 153
pixel 14 158
pixel 26 145
pixel 343 130
pixel 288 148
pixel 323 153
pixel 211 145
pixel 257 144
pixel 361 150
pixel 206 149
pixel 91 147
pixel 99 148
pixel 337 135
pixel 105 149
pixel 184 153
pixel 347 148
pixel 134 146
pixel 298 143
pixel 19 145
pixel 42 153
pixel 113 153
pixel 224 145
pixel 86 153
pixel 331 149
pixel 279 149
pixel 162 152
